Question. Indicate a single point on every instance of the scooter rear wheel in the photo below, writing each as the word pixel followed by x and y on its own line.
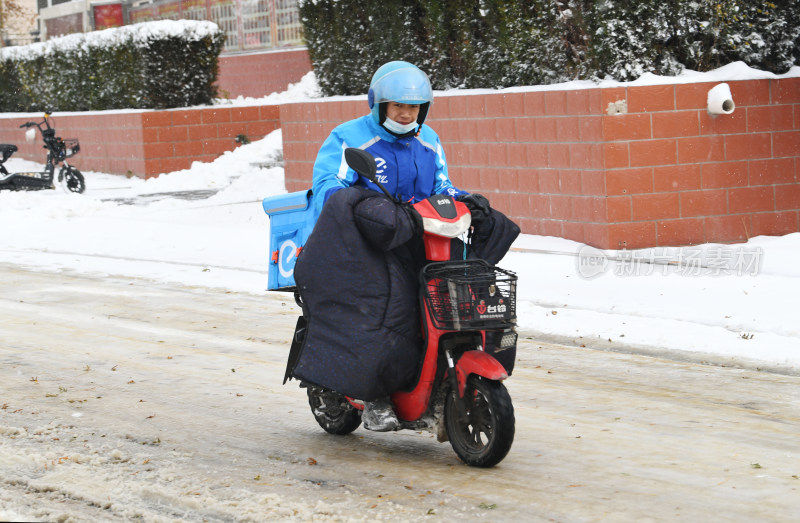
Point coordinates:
pixel 333 412
pixel 484 437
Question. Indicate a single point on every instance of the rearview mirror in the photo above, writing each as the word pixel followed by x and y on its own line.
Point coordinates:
pixel 361 162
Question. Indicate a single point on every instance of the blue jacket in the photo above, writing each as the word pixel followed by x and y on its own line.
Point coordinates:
pixel 411 168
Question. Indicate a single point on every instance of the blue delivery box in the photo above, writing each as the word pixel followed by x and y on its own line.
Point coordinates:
pixel 291 219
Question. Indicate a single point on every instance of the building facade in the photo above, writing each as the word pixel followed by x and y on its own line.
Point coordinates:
pixel 249 25
pixel 18 27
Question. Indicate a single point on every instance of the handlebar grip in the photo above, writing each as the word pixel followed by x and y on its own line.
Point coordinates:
pixel 27 124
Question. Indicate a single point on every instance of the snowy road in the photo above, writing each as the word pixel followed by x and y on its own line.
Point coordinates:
pixel 123 399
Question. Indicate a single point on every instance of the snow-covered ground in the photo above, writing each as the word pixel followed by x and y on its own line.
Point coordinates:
pixel 729 304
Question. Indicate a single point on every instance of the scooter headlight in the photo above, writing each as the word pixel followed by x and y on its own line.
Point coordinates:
pixel 447 229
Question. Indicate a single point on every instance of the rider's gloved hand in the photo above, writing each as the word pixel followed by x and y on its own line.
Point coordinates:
pixel 415 218
pixel 477 204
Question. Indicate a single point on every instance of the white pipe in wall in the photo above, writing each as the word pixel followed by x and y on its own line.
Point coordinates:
pixel 720 100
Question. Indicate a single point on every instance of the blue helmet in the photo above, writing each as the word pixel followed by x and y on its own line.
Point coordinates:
pixel 399 82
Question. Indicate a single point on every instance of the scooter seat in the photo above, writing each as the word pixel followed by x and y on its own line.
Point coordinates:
pixel 7 149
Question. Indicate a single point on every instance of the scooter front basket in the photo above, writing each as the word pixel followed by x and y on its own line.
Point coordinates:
pixel 469 294
pixel 71 147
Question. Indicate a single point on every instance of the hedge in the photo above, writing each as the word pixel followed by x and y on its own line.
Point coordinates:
pixel 153 65
pixel 503 43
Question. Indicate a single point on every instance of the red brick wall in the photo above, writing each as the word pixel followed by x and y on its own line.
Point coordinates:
pixel 677 175
pixel 664 172
pixel 147 143
pixel 536 155
pixel 260 74
pixel 661 172
pixel 172 140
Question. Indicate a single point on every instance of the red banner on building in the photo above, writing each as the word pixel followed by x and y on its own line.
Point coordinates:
pixel 107 16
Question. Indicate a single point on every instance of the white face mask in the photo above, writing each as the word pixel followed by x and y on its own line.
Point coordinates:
pixel 399 128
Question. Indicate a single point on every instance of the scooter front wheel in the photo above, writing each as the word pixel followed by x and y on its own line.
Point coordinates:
pixel 332 411
pixel 74 181
pixel 483 436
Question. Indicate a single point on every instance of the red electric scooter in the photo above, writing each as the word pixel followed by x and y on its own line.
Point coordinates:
pixel 467 306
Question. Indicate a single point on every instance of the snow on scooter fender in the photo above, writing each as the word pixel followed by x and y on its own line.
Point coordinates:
pixel 468 317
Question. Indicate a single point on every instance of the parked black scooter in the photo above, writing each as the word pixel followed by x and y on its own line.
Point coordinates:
pixel 58 150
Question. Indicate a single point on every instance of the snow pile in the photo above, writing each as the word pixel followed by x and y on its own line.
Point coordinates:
pixel 716 311
pixel 306 89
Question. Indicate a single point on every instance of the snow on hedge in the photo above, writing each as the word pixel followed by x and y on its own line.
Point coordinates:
pixel 141 34
pixel 152 65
